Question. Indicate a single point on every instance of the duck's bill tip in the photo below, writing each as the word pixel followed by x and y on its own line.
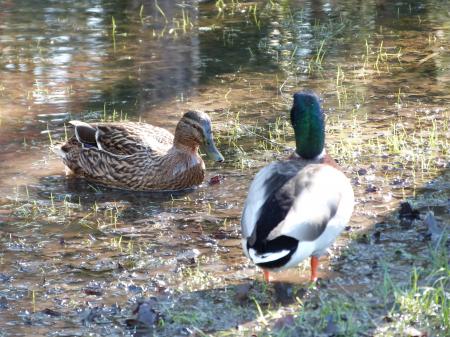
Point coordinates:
pixel 212 152
pixel 216 156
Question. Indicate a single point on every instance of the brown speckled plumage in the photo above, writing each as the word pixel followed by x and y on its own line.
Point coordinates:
pixel 138 156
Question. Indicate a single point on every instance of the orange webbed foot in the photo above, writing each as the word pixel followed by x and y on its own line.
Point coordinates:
pixel 314 266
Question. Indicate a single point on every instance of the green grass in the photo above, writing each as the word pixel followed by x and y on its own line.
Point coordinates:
pixel 423 302
pixel 394 304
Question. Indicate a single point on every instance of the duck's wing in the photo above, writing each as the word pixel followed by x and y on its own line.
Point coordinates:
pixel 123 171
pixel 123 138
pixel 85 133
pixel 150 136
pixel 320 196
pixel 266 182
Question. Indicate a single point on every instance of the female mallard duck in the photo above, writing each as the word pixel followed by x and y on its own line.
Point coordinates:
pixel 297 207
pixel 138 156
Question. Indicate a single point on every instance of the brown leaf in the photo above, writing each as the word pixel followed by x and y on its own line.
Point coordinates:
pixel 216 180
pixel 51 312
pixel 145 314
pixel 284 322
pixel 95 292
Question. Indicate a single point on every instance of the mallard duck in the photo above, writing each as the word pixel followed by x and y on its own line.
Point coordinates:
pixel 139 156
pixel 296 208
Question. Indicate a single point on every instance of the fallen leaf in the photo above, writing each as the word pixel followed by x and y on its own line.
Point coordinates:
pixel 51 312
pixel 371 188
pixel 90 314
pixel 407 214
pixel 284 292
pixel 91 291
pixel 145 314
pixel 188 256
pixel 284 322
pixel 216 180
pixel 362 171
pixel 406 211
pixel 242 292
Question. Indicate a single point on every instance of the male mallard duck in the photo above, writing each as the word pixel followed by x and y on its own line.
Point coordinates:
pixel 140 156
pixel 296 208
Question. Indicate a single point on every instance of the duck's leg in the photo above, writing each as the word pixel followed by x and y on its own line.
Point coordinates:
pixel 314 266
pixel 266 275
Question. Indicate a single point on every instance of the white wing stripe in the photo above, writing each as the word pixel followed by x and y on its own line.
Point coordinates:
pixel 267 257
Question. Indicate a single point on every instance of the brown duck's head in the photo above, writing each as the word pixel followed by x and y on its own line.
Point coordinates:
pixel 194 130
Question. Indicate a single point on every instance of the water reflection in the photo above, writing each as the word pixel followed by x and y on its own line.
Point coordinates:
pixel 62 61
pixel 68 50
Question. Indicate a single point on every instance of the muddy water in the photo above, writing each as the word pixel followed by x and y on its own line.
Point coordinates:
pixel 69 247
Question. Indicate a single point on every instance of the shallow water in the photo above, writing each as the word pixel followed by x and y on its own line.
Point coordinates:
pixel 382 68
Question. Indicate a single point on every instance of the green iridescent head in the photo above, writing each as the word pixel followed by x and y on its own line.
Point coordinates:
pixel 309 126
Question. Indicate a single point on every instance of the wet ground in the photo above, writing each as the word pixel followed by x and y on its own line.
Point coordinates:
pixel 77 259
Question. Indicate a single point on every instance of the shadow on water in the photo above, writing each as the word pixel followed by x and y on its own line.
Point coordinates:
pixel 172 69
pixel 77 188
pixel 142 59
